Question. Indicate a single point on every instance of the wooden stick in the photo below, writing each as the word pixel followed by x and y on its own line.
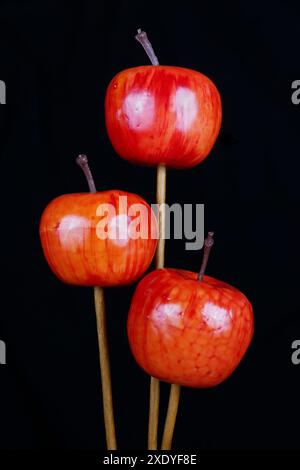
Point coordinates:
pixel 161 200
pixel 108 411
pixel 153 414
pixel 175 389
pixel 160 258
pixel 105 370
pixel 154 386
pixel 171 417
pixel 142 38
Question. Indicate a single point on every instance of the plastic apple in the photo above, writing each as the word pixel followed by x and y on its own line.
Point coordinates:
pixel 87 238
pixel 188 329
pixel 160 114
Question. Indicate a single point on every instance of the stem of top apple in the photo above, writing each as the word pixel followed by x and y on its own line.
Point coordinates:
pixel 208 243
pixel 82 161
pixel 142 38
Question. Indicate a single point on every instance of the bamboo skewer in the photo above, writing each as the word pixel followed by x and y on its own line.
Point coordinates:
pixel 160 259
pixel 153 413
pixel 161 200
pixel 171 417
pixel 108 412
pixel 175 389
pixel 142 38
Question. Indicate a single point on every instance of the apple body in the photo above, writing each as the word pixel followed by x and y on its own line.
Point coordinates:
pixel 188 332
pixel 162 115
pixel 90 239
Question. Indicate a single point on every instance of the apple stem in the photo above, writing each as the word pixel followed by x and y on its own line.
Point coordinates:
pixel 142 38
pixel 208 243
pixel 82 161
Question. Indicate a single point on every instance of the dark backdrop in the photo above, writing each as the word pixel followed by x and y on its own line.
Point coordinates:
pixel 57 59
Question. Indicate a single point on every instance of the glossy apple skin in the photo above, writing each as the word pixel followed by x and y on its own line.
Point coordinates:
pixel 78 256
pixel 188 332
pixel 162 114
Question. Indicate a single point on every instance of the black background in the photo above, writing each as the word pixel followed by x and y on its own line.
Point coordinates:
pixel 57 59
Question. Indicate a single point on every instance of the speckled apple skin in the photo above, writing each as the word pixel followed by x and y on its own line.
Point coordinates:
pixel 188 332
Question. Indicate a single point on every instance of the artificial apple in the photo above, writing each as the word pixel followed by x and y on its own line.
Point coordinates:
pixel 161 114
pixel 188 329
pixel 88 238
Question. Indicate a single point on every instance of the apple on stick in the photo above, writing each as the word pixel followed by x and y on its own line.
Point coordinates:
pixel 79 253
pixel 162 115
pixel 86 238
pixel 192 329
pixel 166 116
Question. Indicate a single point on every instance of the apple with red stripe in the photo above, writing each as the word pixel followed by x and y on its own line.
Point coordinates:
pixel 160 114
pixel 187 328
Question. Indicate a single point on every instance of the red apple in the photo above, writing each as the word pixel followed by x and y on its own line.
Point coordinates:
pixel 187 331
pixel 162 115
pixel 90 239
